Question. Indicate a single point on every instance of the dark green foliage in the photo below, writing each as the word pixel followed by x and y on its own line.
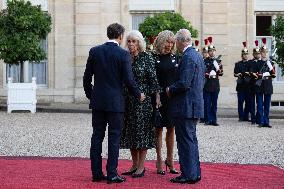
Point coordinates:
pixel 22 27
pixel 152 26
pixel 277 31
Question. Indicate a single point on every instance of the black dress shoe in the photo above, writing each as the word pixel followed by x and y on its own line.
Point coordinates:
pixel 183 180
pixel 260 125
pixel 138 175
pixel 214 124
pixel 100 178
pixel 267 125
pixel 161 172
pixel 207 123
pixel 116 179
pixel 129 172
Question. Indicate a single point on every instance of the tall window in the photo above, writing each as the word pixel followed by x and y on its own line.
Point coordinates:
pixel 38 70
pixel 138 19
pixel 263 24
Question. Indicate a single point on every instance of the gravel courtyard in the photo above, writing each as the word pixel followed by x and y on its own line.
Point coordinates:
pixel 68 135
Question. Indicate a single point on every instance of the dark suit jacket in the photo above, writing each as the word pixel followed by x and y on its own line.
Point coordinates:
pixel 111 67
pixel 244 83
pixel 187 91
pixel 211 84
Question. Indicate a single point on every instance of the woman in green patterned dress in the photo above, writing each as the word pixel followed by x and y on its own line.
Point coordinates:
pixel 138 133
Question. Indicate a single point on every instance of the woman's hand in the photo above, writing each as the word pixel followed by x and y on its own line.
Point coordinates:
pixel 158 100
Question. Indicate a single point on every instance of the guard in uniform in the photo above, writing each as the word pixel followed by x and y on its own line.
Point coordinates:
pixel 214 70
pixel 205 56
pixel 263 72
pixel 253 88
pixel 242 72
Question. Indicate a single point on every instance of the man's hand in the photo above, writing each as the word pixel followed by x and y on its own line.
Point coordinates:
pixel 239 74
pixel 255 75
pixel 212 74
pixel 142 97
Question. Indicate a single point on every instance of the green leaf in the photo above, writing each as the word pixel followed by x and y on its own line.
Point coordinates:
pixel 22 27
pixel 152 26
pixel 277 31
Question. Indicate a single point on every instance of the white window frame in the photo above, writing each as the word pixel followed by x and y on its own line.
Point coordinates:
pixel 276 80
pixel 138 14
pixel 151 6
pixel 43 85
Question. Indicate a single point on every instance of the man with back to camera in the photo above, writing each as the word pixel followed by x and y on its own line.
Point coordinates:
pixel 111 67
pixel 187 107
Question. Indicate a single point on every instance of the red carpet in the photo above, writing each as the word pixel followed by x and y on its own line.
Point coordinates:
pixel 31 172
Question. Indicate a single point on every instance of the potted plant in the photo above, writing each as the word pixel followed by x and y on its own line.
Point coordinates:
pixel 22 27
pixel 152 26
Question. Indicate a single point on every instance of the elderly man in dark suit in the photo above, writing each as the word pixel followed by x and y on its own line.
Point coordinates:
pixel 187 107
pixel 111 67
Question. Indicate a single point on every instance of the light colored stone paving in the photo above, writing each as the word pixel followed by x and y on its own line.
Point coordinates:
pixel 68 135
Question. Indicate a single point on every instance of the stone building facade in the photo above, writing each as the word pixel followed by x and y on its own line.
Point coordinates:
pixel 79 25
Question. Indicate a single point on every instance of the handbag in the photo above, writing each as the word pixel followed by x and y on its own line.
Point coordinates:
pixel 157 117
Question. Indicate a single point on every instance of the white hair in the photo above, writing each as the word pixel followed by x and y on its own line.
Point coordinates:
pixel 183 35
pixel 135 34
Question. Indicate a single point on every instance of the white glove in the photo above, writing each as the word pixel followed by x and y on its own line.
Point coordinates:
pixel 212 73
pixel 269 65
pixel 216 65
pixel 265 74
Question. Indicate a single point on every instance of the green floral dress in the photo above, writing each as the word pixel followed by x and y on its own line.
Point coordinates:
pixel 138 131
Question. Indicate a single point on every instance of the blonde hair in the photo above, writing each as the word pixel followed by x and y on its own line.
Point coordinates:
pixel 159 43
pixel 135 34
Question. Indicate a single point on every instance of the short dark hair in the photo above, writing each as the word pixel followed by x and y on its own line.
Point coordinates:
pixel 115 30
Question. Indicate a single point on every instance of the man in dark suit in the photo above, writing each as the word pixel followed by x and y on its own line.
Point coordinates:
pixel 187 107
pixel 111 67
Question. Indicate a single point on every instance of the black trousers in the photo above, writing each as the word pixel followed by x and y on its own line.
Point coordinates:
pixel 100 119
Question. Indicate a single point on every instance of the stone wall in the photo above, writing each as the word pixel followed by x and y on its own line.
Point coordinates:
pixel 81 24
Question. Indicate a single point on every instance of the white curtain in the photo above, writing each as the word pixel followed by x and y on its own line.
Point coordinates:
pixel 138 19
pixel 38 70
